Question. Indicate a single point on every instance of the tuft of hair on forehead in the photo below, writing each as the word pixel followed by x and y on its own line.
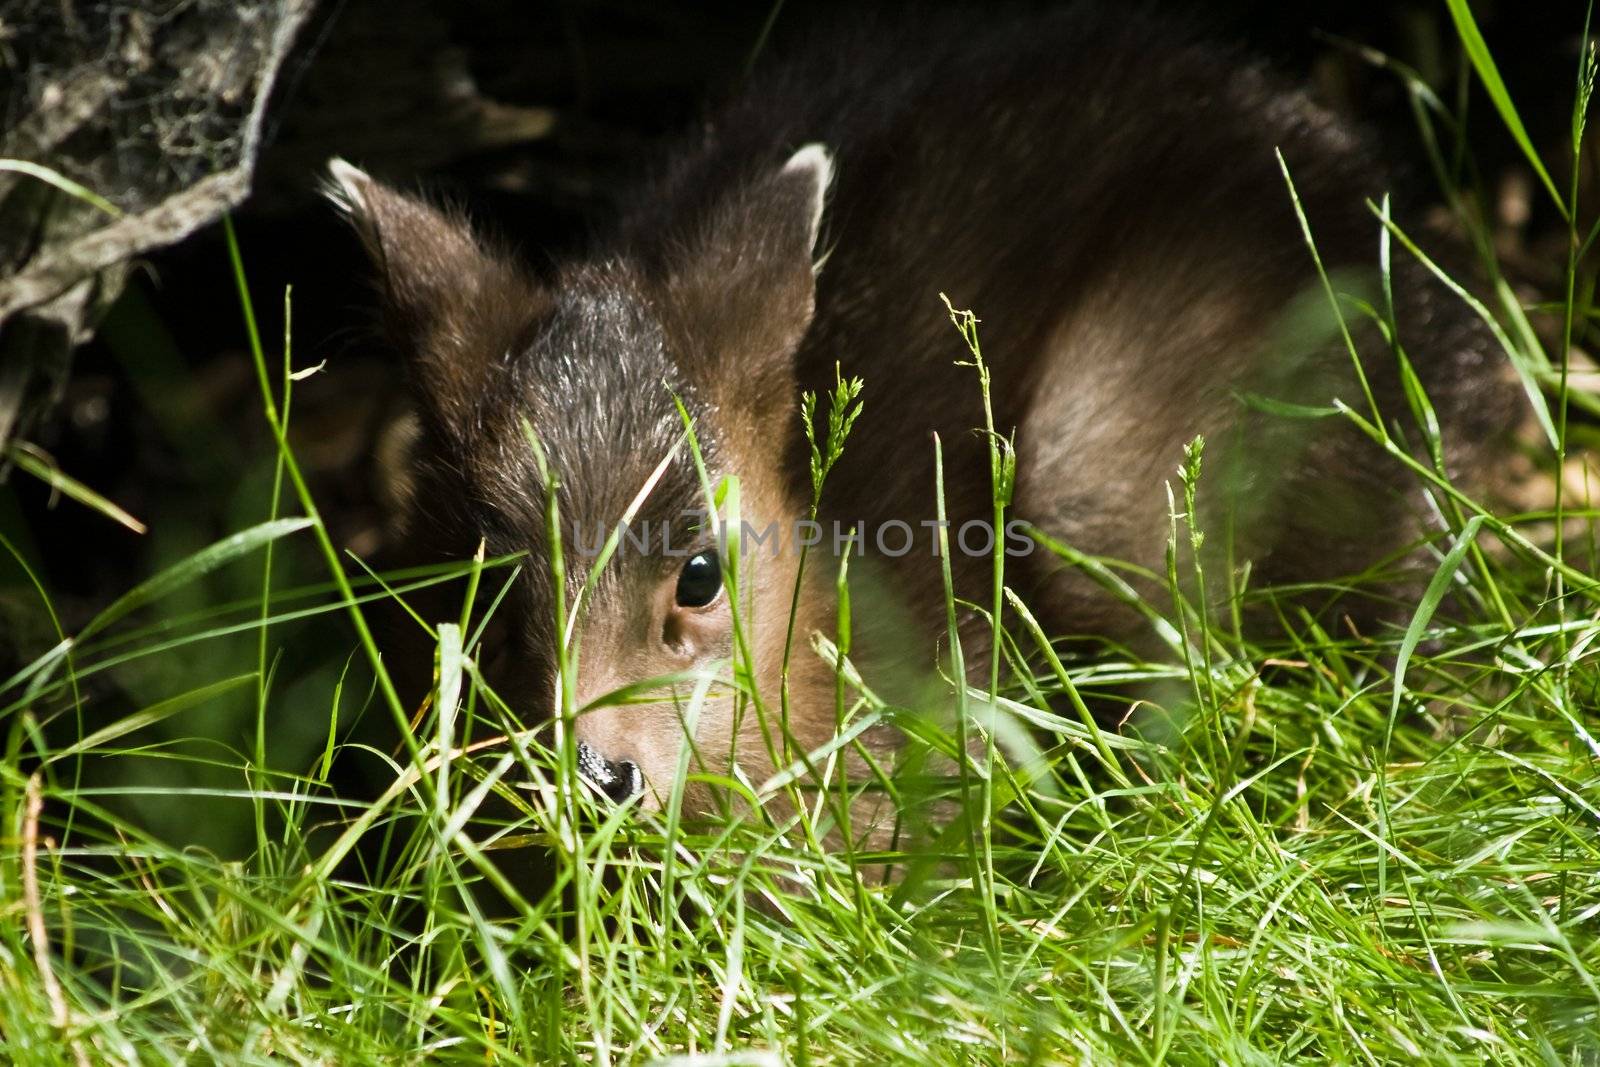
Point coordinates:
pixel 602 392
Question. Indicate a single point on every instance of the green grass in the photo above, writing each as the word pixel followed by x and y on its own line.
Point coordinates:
pixel 1355 848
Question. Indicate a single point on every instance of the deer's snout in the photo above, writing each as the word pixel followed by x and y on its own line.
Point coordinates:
pixel 616 779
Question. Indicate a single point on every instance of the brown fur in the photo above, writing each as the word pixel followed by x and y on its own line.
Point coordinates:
pixel 1102 189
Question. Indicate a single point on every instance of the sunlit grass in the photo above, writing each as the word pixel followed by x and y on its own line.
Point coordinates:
pixel 1314 844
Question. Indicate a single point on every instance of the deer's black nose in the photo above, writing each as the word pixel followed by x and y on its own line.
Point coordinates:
pixel 617 779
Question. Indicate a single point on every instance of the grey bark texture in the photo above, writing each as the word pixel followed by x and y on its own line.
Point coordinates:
pixel 156 110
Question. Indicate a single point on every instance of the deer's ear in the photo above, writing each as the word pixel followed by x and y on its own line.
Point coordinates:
pixel 804 181
pixel 744 286
pixel 454 306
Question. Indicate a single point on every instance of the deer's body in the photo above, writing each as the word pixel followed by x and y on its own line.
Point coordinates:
pixel 1102 191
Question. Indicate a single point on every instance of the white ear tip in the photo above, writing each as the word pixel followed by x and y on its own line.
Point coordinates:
pixel 815 158
pixel 814 162
pixel 347 185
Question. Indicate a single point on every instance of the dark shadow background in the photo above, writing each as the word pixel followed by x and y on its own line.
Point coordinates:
pixel 163 414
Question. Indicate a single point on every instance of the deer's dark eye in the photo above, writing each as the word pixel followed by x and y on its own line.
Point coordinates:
pixel 700 580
